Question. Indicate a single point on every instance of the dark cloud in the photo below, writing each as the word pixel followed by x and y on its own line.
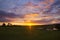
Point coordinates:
pixel 6 14
pixel 57 2
pixel 6 17
pixel 55 6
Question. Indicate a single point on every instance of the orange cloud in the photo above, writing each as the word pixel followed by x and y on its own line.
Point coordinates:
pixel 30 17
pixel 55 21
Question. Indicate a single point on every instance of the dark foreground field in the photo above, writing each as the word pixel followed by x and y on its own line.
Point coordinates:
pixel 24 33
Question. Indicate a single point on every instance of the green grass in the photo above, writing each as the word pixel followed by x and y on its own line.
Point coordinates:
pixel 22 33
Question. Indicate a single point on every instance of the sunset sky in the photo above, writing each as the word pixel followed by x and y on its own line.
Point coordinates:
pixel 30 11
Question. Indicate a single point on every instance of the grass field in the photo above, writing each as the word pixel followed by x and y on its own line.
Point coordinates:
pixel 23 33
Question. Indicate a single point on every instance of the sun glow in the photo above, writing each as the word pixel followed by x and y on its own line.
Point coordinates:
pixel 29 25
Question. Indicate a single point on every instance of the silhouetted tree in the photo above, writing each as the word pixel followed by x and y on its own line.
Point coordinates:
pixel 3 24
pixel 9 24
